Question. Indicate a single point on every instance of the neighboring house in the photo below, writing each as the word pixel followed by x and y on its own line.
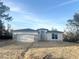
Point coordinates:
pixel 30 35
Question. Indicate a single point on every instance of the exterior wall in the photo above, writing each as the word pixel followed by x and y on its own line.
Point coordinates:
pixel 25 36
pixel 60 37
pixel 35 36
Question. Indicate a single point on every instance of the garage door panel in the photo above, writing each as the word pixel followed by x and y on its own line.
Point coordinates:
pixel 25 38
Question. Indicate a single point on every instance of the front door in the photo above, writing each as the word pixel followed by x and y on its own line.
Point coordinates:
pixel 42 35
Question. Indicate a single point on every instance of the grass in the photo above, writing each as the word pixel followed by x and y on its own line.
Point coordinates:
pixel 39 50
pixel 12 50
pixel 56 50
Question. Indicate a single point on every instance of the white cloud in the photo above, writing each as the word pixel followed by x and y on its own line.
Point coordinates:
pixel 64 3
pixel 13 7
pixel 32 17
pixel 40 23
pixel 68 2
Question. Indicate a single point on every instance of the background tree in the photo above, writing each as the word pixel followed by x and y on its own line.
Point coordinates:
pixel 4 16
pixel 8 19
pixel 72 30
pixel 1 27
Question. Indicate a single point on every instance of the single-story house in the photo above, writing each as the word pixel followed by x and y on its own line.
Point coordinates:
pixel 30 35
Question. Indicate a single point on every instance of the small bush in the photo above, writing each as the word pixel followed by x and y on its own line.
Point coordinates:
pixel 71 38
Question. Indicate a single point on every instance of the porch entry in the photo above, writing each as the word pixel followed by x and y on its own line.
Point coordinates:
pixel 42 34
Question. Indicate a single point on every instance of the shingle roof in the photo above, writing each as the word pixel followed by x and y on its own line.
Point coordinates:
pixel 25 30
pixel 56 31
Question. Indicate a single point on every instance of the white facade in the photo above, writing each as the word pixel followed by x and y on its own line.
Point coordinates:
pixel 60 37
pixel 25 36
pixel 42 34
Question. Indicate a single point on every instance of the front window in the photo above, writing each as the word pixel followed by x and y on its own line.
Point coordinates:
pixel 54 36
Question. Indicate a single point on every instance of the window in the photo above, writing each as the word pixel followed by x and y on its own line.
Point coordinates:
pixel 54 36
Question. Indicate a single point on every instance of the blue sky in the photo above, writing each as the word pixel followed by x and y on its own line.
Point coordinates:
pixel 41 13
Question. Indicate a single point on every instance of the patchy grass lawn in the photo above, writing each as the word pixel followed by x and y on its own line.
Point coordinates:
pixel 39 50
pixel 53 50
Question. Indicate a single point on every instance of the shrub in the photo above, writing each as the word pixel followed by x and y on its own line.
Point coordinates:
pixel 71 38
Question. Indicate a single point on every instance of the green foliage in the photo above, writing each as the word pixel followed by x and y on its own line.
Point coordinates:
pixel 3 14
pixel 76 18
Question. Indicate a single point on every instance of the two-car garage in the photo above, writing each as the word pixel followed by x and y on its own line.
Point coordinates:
pixel 25 36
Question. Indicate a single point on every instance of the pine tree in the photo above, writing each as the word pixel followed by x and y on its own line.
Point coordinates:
pixel 4 16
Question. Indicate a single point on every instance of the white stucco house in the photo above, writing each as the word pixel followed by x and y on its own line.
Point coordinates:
pixel 30 35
